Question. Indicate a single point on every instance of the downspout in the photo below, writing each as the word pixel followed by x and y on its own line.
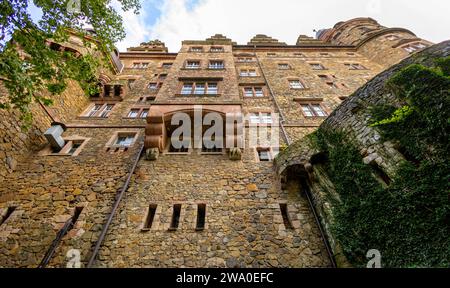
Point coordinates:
pixel 305 189
pixel 114 209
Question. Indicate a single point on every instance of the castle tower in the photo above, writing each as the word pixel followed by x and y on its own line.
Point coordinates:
pixel 385 46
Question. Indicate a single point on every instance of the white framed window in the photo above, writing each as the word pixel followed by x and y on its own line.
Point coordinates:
pixel 216 49
pixel 245 59
pixel 144 113
pixel 192 64
pixel 253 91
pixel 153 86
pixel 124 140
pixel 260 118
pixel 187 88
pixel 283 66
pixel 264 154
pixel 313 110
pixel 100 110
pixel 133 113
pixel 199 88
pixel 196 49
pixel 296 84
pixel 106 110
pixel 317 66
pixel 247 73
pixel 216 64
pixel 355 66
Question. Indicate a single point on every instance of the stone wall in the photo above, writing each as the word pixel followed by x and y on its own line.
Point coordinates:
pixel 352 117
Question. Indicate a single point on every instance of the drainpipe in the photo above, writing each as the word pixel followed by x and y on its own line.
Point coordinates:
pixel 114 209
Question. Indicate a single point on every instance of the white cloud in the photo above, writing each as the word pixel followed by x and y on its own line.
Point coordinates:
pixel 240 20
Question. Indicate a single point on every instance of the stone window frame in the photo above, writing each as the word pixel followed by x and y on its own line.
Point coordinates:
pixel 263 148
pixel 248 72
pixel 69 140
pixel 355 66
pixel 329 79
pixel 140 65
pixel 291 79
pixel 155 90
pixel 260 113
pixel 288 66
pixel 186 66
pixel 253 86
pixel 193 81
pixel 309 102
pixel 96 115
pixel 193 49
pixel 220 49
pixel 317 63
pixel 412 46
pixel 166 65
pixel 392 37
pixel 111 144
pixel 146 99
pixel 245 59
pixel 216 60
pixel 139 112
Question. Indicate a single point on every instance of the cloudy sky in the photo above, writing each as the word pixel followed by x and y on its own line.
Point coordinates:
pixel 172 21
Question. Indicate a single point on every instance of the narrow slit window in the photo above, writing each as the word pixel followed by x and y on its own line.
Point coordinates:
pixel 201 215
pixel 380 173
pixel 285 215
pixel 175 217
pixel 150 217
pixel 8 213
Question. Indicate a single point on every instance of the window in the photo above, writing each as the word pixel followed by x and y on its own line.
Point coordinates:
pixel 264 154
pixel 284 213
pixel 133 113
pixel 147 99
pixel 355 66
pixel 313 110
pixel 261 118
pixel 124 140
pixel 150 217
pixel 199 88
pixel 299 55
pixel 144 113
pixel 247 73
pixel 162 77
pixel 216 64
pixel 253 92
pixel 139 65
pixel 166 65
pixel 201 215
pixel 153 86
pixel 317 66
pixel 100 110
pixel 392 37
pixel 325 54
pixel 72 147
pixel 296 84
pixel 271 54
pixel 283 66
pixel 138 112
pixel 216 49
pixel 245 59
pixel 174 223
pixel 410 48
pixel 196 49
pixel 192 64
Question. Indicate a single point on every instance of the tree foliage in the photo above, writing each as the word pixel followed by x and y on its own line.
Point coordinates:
pixel 29 66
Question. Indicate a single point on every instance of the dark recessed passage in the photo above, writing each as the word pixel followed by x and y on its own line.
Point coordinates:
pixel 201 213
pixel 9 211
pixel 175 217
pixel 150 216
pixel 284 213
pixel 380 173
pixel 76 214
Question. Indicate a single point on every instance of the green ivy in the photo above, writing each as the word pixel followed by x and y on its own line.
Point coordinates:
pixel 409 220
